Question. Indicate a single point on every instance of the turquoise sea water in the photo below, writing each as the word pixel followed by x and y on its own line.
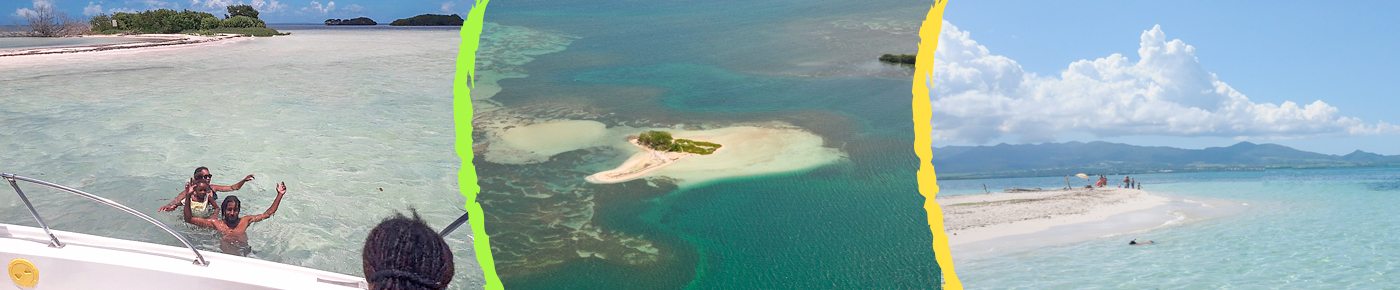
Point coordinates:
pixel 1302 229
pixel 357 122
pixel 855 224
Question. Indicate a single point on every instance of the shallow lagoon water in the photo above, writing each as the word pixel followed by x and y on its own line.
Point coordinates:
pixel 337 114
pixel 1304 228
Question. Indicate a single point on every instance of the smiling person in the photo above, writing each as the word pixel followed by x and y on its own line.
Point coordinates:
pixel 233 227
pixel 202 175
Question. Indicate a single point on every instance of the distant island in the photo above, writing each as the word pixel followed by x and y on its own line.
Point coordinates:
pixel 1060 159
pixel 429 20
pixel 900 59
pixel 355 21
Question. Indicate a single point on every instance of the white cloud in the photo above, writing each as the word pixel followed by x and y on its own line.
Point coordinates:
pixel 316 7
pixel 447 7
pixel 122 10
pixel 92 9
pixel 222 5
pixel 153 4
pixel 26 12
pixel 978 97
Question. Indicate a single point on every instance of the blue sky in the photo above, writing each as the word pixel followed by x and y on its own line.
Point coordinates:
pixel 1333 63
pixel 1021 89
pixel 272 11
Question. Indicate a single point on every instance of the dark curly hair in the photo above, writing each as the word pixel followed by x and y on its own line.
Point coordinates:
pixel 402 253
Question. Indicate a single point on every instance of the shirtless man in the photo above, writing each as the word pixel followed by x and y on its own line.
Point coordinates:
pixel 233 227
pixel 201 175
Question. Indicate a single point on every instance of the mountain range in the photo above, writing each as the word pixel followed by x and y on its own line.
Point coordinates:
pixel 1058 159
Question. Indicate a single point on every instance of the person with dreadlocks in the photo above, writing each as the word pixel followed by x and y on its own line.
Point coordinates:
pixel 402 253
pixel 233 227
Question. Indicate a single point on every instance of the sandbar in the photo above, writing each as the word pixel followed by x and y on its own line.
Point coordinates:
pixel 744 151
pixel 640 164
pixel 168 40
pixel 974 218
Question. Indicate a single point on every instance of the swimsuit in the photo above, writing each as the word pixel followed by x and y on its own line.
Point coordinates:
pixel 201 209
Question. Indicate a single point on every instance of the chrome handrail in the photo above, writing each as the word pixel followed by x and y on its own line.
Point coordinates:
pixel 199 259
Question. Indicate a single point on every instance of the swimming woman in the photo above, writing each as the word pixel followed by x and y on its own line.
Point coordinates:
pixel 202 175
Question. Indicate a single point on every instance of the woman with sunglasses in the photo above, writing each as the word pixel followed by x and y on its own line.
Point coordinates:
pixel 202 176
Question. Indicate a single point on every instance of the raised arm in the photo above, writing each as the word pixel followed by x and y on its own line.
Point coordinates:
pixel 239 185
pixel 189 187
pixel 189 217
pixel 281 189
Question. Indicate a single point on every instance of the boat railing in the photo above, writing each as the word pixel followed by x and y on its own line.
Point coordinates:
pixel 54 242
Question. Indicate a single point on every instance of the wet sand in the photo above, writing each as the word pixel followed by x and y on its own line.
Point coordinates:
pixel 980 217
pixel 169 40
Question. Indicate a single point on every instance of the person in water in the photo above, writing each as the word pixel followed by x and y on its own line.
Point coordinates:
pixel 202 200
pixel 403 253
pixel 233 227
pixel 202 175
pixel 1134 242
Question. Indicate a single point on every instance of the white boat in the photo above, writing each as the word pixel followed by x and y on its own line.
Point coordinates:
pixel 41 258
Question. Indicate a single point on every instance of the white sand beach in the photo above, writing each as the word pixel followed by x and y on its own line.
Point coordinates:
pixel 639 165
pixel 745 150
pixel 161 40
pixel 975 218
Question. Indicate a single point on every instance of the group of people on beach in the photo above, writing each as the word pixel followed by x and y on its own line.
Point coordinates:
pixel 399 253
pixel 1128 182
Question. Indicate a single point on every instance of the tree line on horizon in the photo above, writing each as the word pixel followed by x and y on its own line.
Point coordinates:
pixel 171 21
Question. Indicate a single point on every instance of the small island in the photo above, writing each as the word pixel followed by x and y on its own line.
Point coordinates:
pixel 429 20
pixel 899 59
pixel 662 141
pixel 355 21
pixel 661 150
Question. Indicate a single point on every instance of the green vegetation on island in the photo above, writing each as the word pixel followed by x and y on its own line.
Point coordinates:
pixel 662 141
pixel 900 59
pixel 354 21
pixel 429 20
pixel 241 19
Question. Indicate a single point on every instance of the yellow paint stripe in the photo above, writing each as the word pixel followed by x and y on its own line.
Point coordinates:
pixel 923 140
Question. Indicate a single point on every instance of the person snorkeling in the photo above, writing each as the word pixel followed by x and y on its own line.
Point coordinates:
pixel 233 227
pixel 1135 242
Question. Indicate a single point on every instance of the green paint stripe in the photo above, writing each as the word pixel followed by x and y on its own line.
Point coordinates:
pixel 463 82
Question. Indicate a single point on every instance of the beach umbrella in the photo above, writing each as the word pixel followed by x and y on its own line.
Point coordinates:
pixel 1081 175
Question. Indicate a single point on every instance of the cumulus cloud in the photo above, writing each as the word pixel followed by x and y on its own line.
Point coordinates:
pixel 978 96
pixel 153 4
pixel 316 7
pixel 26 12
pixel 92 9
pixel 447 7
pixel 222 5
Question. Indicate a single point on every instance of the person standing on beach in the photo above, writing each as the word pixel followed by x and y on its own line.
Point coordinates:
pixel 1127 181
pixel 202 175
